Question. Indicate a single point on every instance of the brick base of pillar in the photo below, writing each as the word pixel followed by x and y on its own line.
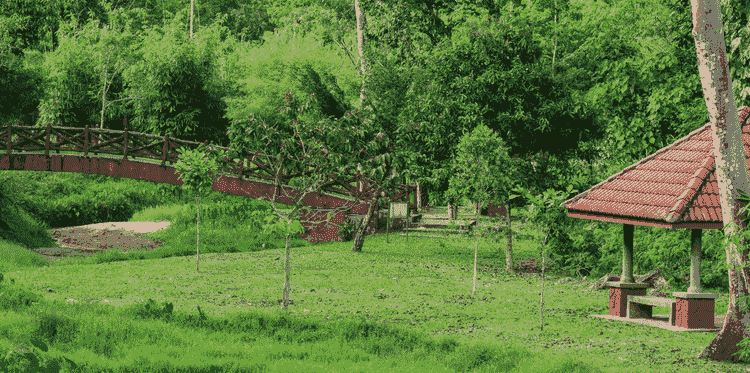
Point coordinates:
pixel 694 312
pixel 618 297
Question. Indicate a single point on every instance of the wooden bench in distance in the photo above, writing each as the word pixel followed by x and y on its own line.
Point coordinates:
pixel 640 307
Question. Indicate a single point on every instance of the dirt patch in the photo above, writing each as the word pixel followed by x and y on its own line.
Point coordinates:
pixel 85 242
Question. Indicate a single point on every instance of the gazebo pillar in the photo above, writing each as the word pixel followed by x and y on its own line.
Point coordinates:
pixel 695 309
pixel 695 261
pixel 627 254
pixel 619 291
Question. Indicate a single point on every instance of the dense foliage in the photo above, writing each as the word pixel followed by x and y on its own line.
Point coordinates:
pixel 576 89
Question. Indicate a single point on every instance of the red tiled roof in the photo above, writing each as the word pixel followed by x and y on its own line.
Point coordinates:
pixel 660 190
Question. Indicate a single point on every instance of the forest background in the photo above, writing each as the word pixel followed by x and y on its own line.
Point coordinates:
pixel 577 89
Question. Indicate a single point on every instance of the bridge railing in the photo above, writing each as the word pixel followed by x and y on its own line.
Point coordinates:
pixel 135 144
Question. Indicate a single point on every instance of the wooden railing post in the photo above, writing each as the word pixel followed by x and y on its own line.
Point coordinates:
pixel 241 168
pixel 86 141
pixel 125 124
pixel 46 142
pixel 164 151
pixel 9 139
pixel 419 197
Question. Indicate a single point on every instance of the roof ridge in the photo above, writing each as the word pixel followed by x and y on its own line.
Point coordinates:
pixel 695 184
pixel 648 158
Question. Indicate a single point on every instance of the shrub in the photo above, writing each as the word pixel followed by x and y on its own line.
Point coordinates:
pixel 34 361
pixel 346 230
pixel 573 245
pixel 150 310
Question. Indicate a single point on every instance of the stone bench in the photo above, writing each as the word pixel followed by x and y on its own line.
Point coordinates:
pixel 640 307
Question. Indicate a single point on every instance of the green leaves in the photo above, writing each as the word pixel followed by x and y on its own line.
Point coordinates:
pixel 196 169
pixel 482 169
pixel 545 211
pixel 52 365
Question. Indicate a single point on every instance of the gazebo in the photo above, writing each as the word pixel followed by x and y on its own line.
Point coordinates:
pixel 673 188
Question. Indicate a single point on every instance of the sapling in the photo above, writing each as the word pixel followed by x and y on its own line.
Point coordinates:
pixel 543 213
pixel 196 168
pixel 481 173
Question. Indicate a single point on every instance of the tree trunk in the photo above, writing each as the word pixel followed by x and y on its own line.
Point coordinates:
pixel 476 249
pixel 554 51
pixel 361 27
pixel 198 234
pixel 731 168
pixel 287 285
pixel 509 238
pixel 541 295
pixel 359 238
pixel 192 5
pixel 104 97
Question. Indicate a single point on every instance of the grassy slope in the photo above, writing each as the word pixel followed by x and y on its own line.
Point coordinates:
pixel 418 293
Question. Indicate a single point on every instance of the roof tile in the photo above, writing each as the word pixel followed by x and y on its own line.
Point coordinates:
pixel 674 187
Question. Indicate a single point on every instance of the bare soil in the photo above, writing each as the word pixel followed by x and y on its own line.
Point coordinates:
pixel 85 242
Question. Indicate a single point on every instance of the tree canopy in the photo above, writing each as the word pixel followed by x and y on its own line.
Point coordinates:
pixel 623 84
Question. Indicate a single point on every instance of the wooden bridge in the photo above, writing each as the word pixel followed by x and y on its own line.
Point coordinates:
pixel 152 158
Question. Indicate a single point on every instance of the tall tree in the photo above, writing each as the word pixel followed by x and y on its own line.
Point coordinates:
pixel 731 170
pixel 181 84
pixel 736 14
pixel 192 5
pixel 361 29
pixel 114 50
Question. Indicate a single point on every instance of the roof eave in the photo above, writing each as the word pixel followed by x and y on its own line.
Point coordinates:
pixel 645 222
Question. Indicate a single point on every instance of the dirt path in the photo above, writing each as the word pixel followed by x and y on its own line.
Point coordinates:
pixel 84 242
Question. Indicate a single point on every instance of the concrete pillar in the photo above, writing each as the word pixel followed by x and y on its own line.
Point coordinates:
pixel 627 254
pixel 695 261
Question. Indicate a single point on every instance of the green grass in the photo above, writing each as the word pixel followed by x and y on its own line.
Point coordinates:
pixel 393 307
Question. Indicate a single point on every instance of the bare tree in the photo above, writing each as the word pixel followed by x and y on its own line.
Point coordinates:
pixel 731 169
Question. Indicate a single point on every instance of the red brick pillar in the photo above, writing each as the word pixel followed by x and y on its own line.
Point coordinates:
pixel 618 296
pixel 695 310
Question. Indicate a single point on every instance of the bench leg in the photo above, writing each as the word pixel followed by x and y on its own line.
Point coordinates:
pixel 639 311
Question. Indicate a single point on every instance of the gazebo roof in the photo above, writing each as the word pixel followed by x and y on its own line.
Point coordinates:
pixel 673 188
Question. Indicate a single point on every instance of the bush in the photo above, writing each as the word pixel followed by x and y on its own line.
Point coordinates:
pixel 346 230
pixel 151 310
pixel 33 361
pixel 572 244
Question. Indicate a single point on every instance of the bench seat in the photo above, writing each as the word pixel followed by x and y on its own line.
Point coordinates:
pixel 640 307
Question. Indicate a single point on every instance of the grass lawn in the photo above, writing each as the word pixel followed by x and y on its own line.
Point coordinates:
pixel 393 307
